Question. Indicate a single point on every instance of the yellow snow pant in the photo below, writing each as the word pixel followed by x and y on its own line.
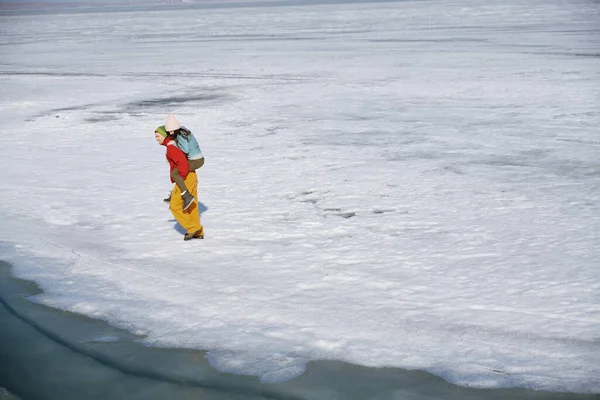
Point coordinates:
pixel 190 218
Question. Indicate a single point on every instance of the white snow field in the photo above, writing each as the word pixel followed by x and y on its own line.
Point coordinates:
pixel 412 184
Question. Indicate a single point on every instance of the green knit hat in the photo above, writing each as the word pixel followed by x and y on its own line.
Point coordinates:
pixel 161 131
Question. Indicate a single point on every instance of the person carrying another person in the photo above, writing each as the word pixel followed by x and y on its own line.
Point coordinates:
pixel 188 217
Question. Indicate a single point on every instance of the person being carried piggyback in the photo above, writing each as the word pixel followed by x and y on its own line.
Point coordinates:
pixel 186 141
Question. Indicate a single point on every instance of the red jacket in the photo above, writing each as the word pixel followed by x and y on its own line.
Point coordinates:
pixel 176 158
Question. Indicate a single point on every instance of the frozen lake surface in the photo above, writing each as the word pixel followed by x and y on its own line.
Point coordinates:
pixel 48 354
pixel 405 184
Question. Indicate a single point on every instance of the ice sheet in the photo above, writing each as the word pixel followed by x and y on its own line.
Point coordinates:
pixel 409 184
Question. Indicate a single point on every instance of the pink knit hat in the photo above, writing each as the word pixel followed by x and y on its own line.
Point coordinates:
pixel 172 123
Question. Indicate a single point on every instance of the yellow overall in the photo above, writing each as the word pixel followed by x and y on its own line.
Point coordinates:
pixel 189 219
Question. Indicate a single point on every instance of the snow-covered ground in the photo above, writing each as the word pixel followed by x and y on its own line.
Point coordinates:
pixel 410 184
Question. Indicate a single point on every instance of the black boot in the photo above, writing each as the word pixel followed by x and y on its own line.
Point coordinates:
pixel 168 199
pixel 188 199
pixel 199 234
